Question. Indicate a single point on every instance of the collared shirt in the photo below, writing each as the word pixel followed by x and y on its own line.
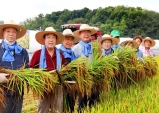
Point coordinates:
pixel 77 49
pixel 107 52
pixel 117 47
pixel 148 52
pixel 50 60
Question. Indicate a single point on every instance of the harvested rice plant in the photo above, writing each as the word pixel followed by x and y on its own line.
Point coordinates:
pixel 126 84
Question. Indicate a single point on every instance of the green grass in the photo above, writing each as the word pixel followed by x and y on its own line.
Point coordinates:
pixel 140 98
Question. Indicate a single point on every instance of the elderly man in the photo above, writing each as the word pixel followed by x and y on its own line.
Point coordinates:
pixel 50 58
pixel 67 44
pixel 12 56
pixel 84 48
pixel 66 49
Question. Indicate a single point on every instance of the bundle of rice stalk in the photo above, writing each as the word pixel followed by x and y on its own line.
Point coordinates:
pixel 38 80
pixel 102 68
pixel 127 64
pixel 96 49
pixel 140 71
pixel 77 70
pixel 2 99
pixel 150 65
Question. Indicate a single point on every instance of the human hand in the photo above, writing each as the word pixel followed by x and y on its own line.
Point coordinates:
pixel 3 77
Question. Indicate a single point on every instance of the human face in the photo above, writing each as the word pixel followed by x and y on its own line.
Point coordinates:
pixel 118 38
pixel 50 41
pixel 10 34
pixel 106 44
pixel 138 41
pixel 85 35
pixel 147 43
pixel 68 42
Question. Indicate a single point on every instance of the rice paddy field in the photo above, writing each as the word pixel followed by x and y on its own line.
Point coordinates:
pixel 142 97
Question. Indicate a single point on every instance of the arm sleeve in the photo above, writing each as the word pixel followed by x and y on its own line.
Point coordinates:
pixel 34 61
pixel 26 59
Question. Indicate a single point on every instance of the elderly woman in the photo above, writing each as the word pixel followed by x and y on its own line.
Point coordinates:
pixel 50 58
pixel 147 43
pixel 106 42
pixel 138 39
pixel 12 56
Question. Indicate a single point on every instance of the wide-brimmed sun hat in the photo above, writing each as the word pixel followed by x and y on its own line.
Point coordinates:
pixel 40 35
pixel 108 37
pixel 68 32
pixel 153 43
pixel 21 31
pixel 84 27
pixel 129 40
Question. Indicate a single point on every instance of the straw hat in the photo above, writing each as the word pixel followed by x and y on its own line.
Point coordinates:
pixel 40 39
pixel 10 23
pixel 136 37
pixel 108 37
pixel 135 44
pixel 68 32
pixel 151 40
pixel 84 27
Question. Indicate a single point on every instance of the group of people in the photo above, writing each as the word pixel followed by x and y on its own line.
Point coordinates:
pixel 58 50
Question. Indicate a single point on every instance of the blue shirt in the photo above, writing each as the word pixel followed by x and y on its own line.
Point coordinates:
pixel 139 53
pixel 117 47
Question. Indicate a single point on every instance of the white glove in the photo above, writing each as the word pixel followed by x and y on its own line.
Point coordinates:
pixel 3 78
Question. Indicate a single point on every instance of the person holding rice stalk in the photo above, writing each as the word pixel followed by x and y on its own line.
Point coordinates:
pixel 66 49
pixel 106 42
pixel 84 48
pixel 138 39
pixel 147 43
pixel 116 34
pixel 50 58
pixel 13 57
pixel 67 44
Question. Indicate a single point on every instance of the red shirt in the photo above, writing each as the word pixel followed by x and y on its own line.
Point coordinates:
pixel 50 61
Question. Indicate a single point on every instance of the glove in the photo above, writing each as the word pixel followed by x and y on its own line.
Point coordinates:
pixel 3 77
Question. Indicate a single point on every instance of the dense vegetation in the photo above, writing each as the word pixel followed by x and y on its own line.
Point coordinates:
pixel 129 20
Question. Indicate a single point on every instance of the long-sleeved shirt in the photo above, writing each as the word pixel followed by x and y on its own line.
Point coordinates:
pixel 50 60
pixel 148 52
